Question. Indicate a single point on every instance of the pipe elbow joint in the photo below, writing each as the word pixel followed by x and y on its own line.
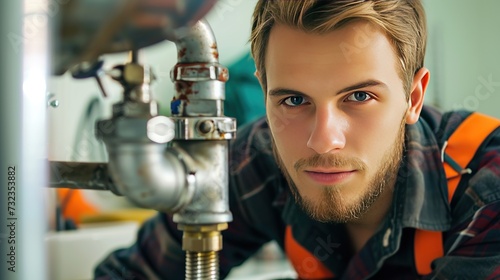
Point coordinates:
pixel 151 176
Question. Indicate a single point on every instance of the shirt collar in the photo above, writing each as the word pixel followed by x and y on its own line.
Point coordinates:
pixel 421 187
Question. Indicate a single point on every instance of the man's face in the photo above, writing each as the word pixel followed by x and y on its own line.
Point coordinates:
pixel 336 109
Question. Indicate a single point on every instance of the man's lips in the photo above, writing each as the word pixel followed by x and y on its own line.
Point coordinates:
pixel 329 177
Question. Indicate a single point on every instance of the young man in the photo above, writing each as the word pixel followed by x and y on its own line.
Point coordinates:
pixel 355 185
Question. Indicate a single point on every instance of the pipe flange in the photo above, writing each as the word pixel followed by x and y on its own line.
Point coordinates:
pixel 198 72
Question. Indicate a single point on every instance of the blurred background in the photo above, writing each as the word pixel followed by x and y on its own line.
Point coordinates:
pixel 462 55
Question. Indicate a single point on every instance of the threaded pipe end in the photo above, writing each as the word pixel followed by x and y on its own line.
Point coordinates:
pixel 202 265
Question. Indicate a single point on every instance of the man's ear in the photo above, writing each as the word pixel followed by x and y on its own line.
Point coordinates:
pixel 416 100
pixel 257 75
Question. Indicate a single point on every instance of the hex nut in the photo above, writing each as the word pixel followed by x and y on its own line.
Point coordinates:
pixel 133 74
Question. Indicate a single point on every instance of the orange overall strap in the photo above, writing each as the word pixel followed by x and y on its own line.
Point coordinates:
pixel 464 143
pixel 461 147
pixel 305 264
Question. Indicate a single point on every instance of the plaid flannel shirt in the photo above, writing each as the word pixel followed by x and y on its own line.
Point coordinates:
pixel 262 208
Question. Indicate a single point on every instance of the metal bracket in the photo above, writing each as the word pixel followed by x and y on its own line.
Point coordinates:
pixel 204 128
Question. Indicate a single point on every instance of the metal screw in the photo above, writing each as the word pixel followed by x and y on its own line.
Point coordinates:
pixel 206 126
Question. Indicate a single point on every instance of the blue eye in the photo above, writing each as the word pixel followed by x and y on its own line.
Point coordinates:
pixel 359 96
pixel 294 101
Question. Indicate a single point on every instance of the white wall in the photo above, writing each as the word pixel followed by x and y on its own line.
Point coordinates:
pixel 463 54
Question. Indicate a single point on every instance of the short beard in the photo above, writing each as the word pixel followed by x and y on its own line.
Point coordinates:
pixel 332 207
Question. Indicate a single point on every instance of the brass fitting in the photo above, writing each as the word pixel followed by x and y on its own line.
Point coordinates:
pixel 133 74
pixel 202 238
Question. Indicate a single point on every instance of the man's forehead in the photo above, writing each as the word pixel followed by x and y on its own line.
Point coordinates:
pixel 347 47
pixel 331 61
pixel 347 43
pixel 355 31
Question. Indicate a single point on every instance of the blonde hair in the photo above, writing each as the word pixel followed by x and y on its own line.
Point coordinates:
pixel 403 21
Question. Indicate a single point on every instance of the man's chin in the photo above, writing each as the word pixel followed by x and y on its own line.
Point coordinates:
pixel 327 206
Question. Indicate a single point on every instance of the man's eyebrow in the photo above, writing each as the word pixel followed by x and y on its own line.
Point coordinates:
pixel 284 91
pixel 363 84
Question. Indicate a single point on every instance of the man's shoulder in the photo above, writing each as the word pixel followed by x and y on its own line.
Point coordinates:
pixel 252 146
pixel 252 164
pixel 470 138
pixel 443 124
pixel 255 178
pixel 473 149
pixel 251 139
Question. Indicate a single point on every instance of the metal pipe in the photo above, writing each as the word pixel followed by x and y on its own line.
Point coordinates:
pixel 81 175
pixel 190 177
pixel 150 176
pixel 198 77
pixel 209 203
pixel 199 81
pixel 197 45
pixel 10 123
pixel 202 265
pixel 24 51
pixel 202 131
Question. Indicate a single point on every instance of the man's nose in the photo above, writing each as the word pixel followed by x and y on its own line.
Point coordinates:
pixel 328 130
